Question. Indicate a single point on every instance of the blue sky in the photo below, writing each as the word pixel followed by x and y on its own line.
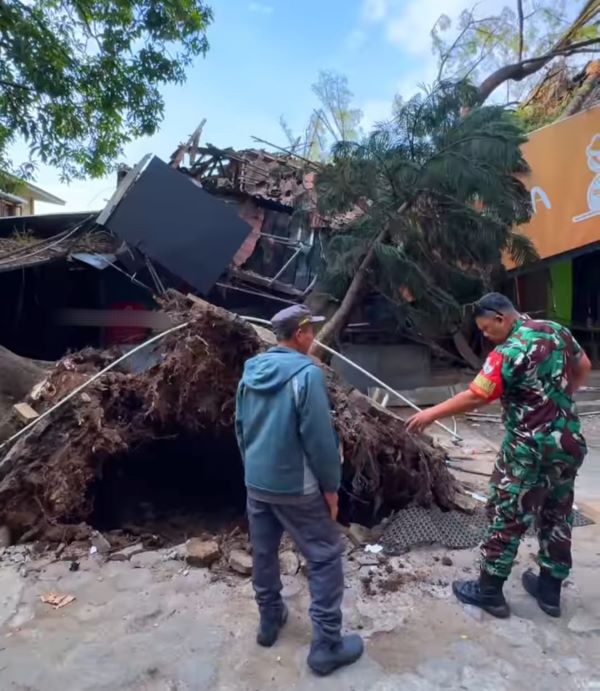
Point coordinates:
pixel 263 57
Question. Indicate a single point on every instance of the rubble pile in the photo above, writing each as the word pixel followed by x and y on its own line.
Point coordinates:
pixel 51 478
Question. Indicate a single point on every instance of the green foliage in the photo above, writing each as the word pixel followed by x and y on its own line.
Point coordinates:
pixel 333 120
pixel 80 78
pixel 443 187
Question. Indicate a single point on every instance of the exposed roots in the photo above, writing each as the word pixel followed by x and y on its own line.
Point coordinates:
pixel 47 479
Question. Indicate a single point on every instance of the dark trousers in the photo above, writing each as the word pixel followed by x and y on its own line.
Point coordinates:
pixel 318 538
pixel 526 488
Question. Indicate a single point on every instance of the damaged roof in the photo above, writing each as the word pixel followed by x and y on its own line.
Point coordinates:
pixel 276 178
pixel 563 92
pixel 21 251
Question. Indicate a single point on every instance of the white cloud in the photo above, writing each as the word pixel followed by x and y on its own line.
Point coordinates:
pixel 374 11
pixel 356 39
pixel 409 25
pixel 410 29
pixel 260 8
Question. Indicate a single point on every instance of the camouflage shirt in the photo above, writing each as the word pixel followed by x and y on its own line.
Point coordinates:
pixel 532 374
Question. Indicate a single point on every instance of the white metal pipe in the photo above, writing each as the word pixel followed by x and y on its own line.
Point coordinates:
pixel 139 347
pixel 360 369
pixel 90 380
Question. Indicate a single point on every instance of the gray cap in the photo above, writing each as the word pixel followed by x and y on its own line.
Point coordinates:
pixel 293 318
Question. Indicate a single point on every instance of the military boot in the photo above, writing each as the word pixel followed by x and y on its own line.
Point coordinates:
pixel 485 592
pixel 269 627
pixel 545 589
pixel 324 658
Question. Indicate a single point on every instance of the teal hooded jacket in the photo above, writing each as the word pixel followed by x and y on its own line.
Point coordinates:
pixel 283 425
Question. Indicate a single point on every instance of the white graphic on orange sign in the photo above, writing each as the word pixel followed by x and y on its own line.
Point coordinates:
pixel 538 193
pixel 593 194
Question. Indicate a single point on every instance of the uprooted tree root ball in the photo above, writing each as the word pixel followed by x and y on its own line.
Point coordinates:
pixel 49 479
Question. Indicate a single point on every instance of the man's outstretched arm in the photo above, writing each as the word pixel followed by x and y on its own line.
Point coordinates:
pixel 463 402
pixel 487 386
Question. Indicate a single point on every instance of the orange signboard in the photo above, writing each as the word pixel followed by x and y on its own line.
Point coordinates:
pixel 564 183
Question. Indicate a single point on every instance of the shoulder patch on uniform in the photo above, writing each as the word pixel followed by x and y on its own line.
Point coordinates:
pixel 486 385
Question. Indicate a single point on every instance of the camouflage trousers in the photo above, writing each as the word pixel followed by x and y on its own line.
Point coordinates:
pixel 532 483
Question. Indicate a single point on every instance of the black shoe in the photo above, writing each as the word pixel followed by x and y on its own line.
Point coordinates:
pixel 324 659
pixel 268 630
pixel 545 589
pixel 485 592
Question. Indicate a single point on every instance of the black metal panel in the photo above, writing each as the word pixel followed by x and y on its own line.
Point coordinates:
pixel 167 217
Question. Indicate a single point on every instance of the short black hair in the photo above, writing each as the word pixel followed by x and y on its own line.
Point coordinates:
pixel 495 303
pixel 285 332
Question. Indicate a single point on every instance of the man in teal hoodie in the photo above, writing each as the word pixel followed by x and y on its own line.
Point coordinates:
pixel 293 472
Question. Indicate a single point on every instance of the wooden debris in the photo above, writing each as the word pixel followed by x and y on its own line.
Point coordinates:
pixel 56 600
pixel 25 412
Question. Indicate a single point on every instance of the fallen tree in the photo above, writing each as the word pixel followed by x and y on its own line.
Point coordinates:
pixel 18 375
pixel 48 477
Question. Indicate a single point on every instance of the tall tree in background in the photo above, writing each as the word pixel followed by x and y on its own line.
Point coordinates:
pixel 80 78
pixel 508 47
pixel 435 202
pixel 335 119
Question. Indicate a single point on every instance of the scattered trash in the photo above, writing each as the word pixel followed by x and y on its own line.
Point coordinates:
pixel 56 600
pixel 93 549
pixel 101 544
pixel 477 497
pixel 374 549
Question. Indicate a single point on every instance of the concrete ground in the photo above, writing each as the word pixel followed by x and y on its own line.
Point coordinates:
pixel 153 624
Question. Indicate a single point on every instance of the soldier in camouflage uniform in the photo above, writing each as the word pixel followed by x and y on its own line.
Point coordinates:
pixel 535 369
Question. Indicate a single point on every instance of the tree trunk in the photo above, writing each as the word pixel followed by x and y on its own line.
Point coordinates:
pixel 334 326
pixel 515 72
pixel 332 329
pixel 18 375
pixel 565 46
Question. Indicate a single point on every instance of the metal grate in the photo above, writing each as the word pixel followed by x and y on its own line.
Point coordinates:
pixel 452 529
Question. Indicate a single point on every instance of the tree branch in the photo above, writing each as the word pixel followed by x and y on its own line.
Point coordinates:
pixel 14 85
pixel 521 28
pixel 445 57
pixel 525 68
pixel 473 24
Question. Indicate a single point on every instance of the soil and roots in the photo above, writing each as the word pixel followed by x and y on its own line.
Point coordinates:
pixel 51 480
